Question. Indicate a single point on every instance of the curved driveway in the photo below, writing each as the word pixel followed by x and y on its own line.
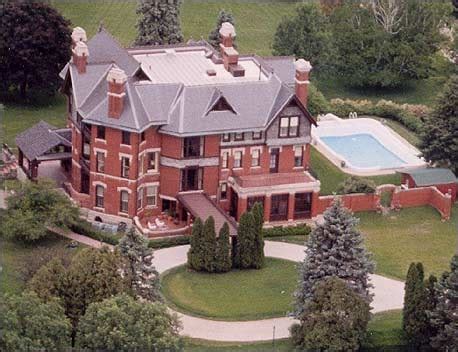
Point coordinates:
pixel 388 294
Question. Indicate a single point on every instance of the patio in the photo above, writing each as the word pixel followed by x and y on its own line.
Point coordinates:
pixel 161 225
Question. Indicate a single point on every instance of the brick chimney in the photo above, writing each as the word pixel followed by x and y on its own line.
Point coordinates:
pixel 228 53
pixel 303 69
pixel 116 79
pixel 78 35
pixel 80 55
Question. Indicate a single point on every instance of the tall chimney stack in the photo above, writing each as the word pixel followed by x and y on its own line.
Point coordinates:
pixel 78 35
pixel 116 79
pixel 80 55
pixel 303 69
pixel 228 53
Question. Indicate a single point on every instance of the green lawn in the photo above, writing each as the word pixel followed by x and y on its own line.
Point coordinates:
pixel 384 334
pixel 331 176
pixel 236 295
pixel 12 257
pixel 414 234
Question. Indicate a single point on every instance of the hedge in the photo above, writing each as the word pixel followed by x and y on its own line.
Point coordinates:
pixel 168 242
pixel 408 115
pixel 85 228
pixel 279 231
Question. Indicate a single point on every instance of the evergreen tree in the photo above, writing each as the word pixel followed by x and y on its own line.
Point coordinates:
pixel 158 22
pixel 195 253
pixel 334 248
pixel 415 322
pixel 444 316
pixel 335 320
pixel 223 250
pixel 245 247
pixel 209 244
pixel 258 254
pixel 141 274
pixel 214 38
pixel 304 35
pixel 440 138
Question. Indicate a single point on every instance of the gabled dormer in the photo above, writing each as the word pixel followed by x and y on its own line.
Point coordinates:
pixel 219 103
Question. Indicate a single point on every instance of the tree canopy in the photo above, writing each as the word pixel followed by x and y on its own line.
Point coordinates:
pixel 27 323
pixel 440 137
pixel 158 22
pixel 35 206
pixel 33 53
pixel 121 323
pixel 334 248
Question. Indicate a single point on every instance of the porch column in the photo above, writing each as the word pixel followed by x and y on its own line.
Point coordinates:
pixel 291 207
pixel 267 206
pixel 241 207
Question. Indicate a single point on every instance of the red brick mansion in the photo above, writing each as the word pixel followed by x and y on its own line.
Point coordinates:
pixel 185 130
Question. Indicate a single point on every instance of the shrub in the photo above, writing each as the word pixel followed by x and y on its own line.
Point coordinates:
pixel 169 242
pixel 355 184
pixel 408 115
pixel 280 231
pixel 85 228
pixel 316 102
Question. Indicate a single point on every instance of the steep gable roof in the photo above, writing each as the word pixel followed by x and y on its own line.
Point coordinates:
pixel 218 103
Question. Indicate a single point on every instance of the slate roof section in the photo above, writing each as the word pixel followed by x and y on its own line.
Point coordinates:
pixel 282 66
pixel 200 205
pixel 431 176
pixel 40 138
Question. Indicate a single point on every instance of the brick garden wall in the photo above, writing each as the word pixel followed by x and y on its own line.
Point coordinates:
pixel 355 202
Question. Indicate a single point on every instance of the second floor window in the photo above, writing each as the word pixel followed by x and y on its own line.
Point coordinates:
pixel 99 196
pixel 255 157
pixel 100 160
pixel 192 147
pixel 225 160
pixel 224 190
pixel 297 156
pixel 125 138
pixel 124 202
pixel 239 136
pixel 289 126
pixel 237 159
pixel 152 161
pixel 151 195
pixel 125 166
pixel 100 132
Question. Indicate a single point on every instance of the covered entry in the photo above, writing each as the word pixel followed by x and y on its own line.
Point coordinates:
pixel 44 143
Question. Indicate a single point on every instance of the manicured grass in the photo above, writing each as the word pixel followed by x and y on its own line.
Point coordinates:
pixel 384 334
pixel 331 176
pixel 236 295
pixel 414 234
pixel 12 255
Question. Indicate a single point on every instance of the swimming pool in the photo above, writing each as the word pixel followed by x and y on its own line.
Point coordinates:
pixel 363 151
pixel 363 146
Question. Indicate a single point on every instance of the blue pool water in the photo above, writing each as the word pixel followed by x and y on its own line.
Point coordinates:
pixel 363 150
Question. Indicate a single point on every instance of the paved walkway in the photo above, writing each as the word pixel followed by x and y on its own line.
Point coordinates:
pixel 388 294
pixel 80 238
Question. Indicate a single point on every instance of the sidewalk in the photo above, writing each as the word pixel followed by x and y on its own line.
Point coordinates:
pixel 80 238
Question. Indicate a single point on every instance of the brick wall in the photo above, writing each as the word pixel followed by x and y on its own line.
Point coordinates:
pixel 355 202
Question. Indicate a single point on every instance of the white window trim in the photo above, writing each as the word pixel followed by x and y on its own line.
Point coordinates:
pixel 148 150
pixel 156 169
pixel 119 189
pixel 98 150
pixel 124 155
pixel 234 150
pixel 99 183
pixel 100 140
pixel 229 151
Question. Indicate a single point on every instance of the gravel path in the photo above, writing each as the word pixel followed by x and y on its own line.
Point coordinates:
pixel 388 294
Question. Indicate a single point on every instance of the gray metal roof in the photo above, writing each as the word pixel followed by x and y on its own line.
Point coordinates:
pixel 431 176
pixel 176 107
pixel 40 138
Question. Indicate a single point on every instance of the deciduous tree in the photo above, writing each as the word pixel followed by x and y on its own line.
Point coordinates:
pixel 334 248
pixel 27 323
pixel 123 324
pixel 335 320
pixel 140 272
pixel 158 22
pixel 35 45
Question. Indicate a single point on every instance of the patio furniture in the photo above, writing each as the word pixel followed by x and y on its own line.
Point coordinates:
pixel 151 226
pixel 160 223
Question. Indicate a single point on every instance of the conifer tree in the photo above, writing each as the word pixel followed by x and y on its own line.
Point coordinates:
pixel 209 245
pixel 444 316
pixel 440 138
pixel 158 22
pixel 334 248
pixel 214 38
pixel 258 255
pixel 195 255
pixel 223 250
pixel 246 234
pixel 139 269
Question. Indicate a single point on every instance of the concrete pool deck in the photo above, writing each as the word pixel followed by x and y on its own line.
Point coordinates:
pixel 333 126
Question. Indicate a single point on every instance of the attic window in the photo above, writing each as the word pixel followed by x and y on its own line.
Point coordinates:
pixel 221 105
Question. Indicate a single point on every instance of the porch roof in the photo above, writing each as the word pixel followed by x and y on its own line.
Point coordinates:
pixel 268 180
pixel 200 205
